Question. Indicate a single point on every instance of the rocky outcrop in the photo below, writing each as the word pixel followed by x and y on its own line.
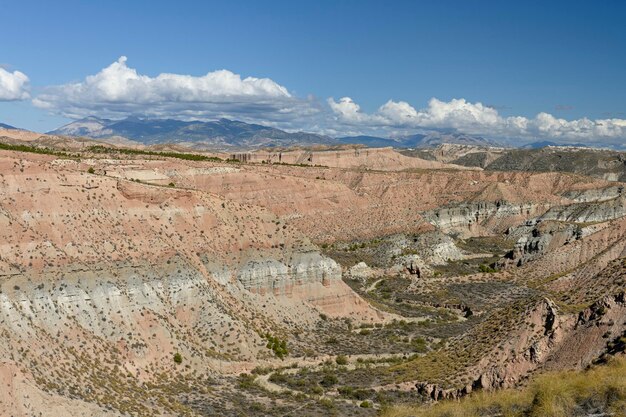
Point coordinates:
pixel 273 276
pixel 600 210
pixel 595 194
pixel 537 238
pixel 547 339
pixel 361 272
pixel 412 265
pixel 471 219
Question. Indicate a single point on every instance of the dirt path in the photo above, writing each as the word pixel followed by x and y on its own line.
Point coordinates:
pixel 373 286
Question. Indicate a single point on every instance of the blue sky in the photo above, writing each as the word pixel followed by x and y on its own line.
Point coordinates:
pixel 562 58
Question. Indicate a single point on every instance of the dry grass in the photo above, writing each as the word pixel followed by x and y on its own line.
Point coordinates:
pixel 601 389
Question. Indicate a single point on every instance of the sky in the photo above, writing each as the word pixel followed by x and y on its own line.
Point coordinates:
pixel 513 70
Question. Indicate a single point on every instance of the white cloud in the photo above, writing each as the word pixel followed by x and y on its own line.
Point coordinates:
pixel 119 90
pixel 347 110
pixel 476 118
pixel 399 112
pixel 458 113
pixel 13 85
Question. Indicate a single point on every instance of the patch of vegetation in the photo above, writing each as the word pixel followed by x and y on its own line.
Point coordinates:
pixel 34 149
pixel 178 155
pixel 341 360
pixel 299 165
pixel 278 346
pixel 247 381
pixel 600 390
pixel 446 366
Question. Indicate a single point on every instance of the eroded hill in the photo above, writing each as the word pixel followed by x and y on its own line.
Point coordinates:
pixel 309 281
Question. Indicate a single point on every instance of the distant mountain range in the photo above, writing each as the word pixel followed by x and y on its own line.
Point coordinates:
pixel 225 134
pixel 430 140
pixel 222 133
pixel 544 143
pixel 4 126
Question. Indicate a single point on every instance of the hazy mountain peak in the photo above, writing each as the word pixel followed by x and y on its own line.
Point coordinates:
pixel 222 133
pixel 5 126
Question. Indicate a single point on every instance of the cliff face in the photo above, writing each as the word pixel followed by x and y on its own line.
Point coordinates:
pixel 304 268
pixel 482 218
pixel 536 238
pixel 600 210
pixel 544 337
pixel 553 339
pixel 595 195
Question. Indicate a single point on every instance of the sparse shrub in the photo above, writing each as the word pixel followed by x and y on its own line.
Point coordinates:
pixel 341 360
pixel 178 358
pixel 246 381
pixel 329 379
pixel 278 346
pixel 260 370
pixel 332 340
pixel 327 403
pixel 278 378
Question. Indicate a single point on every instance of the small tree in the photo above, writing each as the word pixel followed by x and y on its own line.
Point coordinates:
pixel 278 346
pixel 178 358
pixel 91 170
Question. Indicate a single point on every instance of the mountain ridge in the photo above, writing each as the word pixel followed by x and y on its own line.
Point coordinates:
pixel 5 126
pixel 227 134
pixel 222 133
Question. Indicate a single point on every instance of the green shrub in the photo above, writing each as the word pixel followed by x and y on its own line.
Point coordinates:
pixel 246 381
pixel 278 346
pixel 178 358
pixel 329 379
pixel 341 360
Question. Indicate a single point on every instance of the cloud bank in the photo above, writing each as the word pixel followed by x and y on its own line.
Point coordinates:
pixel 118 91
pixel 13 85
pixel 476 118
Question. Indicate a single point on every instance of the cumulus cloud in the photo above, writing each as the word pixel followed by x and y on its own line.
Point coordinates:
pixel 119 90
pixel 13 85
pixel 348 110
pixel 475 118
